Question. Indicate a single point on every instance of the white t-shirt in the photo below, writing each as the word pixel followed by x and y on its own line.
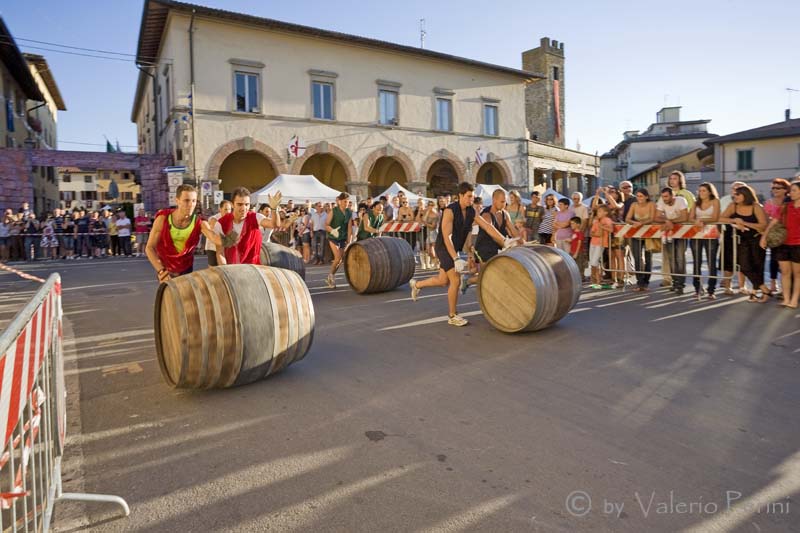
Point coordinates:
pixel 319 219
pixel 672 211
pixel 237 227
pixel 580 210
pixel 210 245
pixel 124 232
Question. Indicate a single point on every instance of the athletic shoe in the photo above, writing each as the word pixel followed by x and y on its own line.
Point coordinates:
pixel 330 282
pixel 595 286
pixel 456 320
pixel 414 289
pixel 464 284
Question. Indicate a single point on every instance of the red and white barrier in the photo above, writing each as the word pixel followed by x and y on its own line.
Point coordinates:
pixel 401 227
pixel 656 231
pixel 33 415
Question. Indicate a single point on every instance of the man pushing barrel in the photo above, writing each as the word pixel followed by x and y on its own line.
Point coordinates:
pixel 175 235
pixel 454 227
pixel 240 230
pixel 340 232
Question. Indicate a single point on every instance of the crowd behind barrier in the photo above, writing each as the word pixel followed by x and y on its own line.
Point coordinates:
pixel 601 236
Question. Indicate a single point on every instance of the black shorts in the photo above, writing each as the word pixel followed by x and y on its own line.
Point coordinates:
pixel 445 261
pixel 787 252
pixel 339 244
pixel 481 256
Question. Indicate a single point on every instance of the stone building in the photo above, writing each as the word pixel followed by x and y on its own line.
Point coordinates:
pixel 30 103
pixel 239 99
pixel 544 101
pixel 665 139
pixel 91 188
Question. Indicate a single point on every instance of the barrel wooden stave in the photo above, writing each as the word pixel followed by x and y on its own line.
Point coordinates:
pixel 279 256
pixel 528 288
pixel 379 264
pixel 231 325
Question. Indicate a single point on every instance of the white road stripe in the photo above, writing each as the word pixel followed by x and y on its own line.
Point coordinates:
pixel 433 320
pixel 622 301
pixel 706 308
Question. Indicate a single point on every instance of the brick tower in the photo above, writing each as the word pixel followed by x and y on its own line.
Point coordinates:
pixel 544 99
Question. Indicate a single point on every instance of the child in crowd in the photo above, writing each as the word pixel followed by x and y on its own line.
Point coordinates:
pixel 576 241
pixel 602 226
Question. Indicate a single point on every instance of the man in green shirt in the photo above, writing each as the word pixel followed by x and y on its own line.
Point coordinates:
pixel 371 222
pixel 340 232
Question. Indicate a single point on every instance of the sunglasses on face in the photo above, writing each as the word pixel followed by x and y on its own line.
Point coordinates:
pixel 778 188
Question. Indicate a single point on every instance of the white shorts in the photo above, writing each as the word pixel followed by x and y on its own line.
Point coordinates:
pixel 595 256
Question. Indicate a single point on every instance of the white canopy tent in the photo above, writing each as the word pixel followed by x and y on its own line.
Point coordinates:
pixel 296 187
pixel 486 192
pixel 548 192
pixel 395 188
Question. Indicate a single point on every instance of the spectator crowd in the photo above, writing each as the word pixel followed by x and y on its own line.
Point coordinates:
pixel 762 239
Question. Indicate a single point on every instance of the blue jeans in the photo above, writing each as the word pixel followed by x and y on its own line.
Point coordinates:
pixel 675 253
pixel 711 246
pixel 639 251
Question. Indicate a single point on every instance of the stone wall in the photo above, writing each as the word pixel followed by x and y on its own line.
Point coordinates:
pixel 16 184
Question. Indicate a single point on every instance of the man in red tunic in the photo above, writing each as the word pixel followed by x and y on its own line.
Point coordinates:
pixel 175 235
pixel 240 230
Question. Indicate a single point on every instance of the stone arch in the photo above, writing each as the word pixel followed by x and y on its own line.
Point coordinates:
pixel 246 144
pixel 388 151
pixel 325 147
pixel 447 155
pixel 502 166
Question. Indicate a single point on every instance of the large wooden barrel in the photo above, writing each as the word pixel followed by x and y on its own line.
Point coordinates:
pixel 231 325
pixel 378 264
pixel 528 288
pixel 282 257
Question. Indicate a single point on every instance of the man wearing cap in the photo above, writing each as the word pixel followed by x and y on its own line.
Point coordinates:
pixel 340 231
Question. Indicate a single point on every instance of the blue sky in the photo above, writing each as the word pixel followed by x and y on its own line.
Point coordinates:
pixel 728 61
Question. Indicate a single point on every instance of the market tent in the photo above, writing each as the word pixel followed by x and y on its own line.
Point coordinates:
pixel 548 192
pixel 296 187
pixel 486 192
pixel 395 188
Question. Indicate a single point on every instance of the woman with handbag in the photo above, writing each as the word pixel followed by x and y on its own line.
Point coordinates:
pixel 774 207
pixel 786 228
pixel 642 212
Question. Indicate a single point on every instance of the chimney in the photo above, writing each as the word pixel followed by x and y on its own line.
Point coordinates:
pixel 788 114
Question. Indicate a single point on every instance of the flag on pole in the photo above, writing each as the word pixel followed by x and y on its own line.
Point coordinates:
pixel 296 146
pixel 480 156
pixel 109 147
pixel 118 148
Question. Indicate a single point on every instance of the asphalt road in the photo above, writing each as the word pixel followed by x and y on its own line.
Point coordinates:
pixel 634 413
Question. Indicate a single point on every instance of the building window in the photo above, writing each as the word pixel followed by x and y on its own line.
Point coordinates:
pixel 247 92
pixel 87 179
pixel 322 98
pixel 444 114
pixel 66 178
pixel 126 176
pixel 88 195
pixel 744 160
pixel 555 73
pixel 126 196
pixel 67 196
pixel 387 102
pixel 490 126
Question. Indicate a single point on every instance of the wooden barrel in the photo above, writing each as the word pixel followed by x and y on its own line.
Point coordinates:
pixel 379 264
pixel 231 325
pixel 279 256
pixel 528 288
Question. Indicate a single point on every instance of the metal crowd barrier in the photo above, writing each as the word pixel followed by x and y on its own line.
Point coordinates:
pixel 33 415
pixel 685 231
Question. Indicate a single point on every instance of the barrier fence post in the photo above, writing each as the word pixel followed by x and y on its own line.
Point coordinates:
pixel 33 415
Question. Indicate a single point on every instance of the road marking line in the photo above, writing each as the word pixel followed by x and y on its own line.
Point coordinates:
pixel 622 302
pixel 328 292
pixel 433 320
pixel 706 308
pixel 418 297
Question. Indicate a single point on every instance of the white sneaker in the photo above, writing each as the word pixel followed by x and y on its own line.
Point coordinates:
pixel 456 320
pixel 330 282
pixel 414 289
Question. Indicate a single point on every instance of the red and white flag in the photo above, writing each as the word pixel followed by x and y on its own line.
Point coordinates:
pixel 296 146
